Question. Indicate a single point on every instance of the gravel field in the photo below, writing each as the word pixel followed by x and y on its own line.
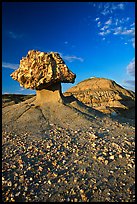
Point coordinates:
pixel 94 164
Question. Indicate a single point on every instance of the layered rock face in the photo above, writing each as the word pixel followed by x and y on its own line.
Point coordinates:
pixel 40 70
pixel 105 95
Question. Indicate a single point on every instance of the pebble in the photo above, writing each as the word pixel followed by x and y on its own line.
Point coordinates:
pixel 106 162
pixel 66 159
pixel 112 157
pixel 49 182
pixel 120 156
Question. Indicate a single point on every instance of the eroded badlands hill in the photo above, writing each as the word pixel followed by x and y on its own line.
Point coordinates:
pixel 105 95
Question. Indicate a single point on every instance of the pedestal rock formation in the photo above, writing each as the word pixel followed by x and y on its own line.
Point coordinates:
pixel 44 72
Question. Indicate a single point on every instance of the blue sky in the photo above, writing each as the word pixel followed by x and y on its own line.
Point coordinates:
pixel 94 39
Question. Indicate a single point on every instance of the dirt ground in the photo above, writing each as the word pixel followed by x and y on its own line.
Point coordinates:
pixel 66 152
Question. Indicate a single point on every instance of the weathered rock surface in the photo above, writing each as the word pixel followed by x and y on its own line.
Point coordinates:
pixel 105 95
pixel 40 70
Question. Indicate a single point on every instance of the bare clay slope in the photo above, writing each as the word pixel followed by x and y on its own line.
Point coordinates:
pixel 36 118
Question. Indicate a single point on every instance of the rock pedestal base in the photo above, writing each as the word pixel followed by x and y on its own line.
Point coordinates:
pixel 52 94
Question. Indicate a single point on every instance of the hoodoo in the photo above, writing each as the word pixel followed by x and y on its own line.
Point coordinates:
pixel 43 72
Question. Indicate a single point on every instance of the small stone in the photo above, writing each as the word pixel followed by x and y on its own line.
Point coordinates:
pixel 112 157
pixel 75 200
pixel 9 183
pixel 49 182
pixel 12 199
pixel 120 156
pixel 40 168
pixel 100 158
pixel 17 194
pixel 129 165
pixel 21 179
pixel 106 162
pixel 55 175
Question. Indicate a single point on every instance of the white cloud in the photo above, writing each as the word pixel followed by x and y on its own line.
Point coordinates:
pixel 104 27
pixel 110 7
pixel 123 31
pixel 121 6
pixel 133 42
pixel 128 32
pixel 96 19
pixel 104 32
pixel 120 27
pixel 127 19
pixel 71 58
pixel 133 24
pixel 99 24
pixel 131 68
pixel 9 65
pixel 130 82
pixel 14 35
pixel 109 22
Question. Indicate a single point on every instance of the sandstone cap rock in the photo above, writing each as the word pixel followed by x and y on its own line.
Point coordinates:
pixel 40 70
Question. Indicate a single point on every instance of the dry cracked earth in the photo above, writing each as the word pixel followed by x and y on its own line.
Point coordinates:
pixel 69 152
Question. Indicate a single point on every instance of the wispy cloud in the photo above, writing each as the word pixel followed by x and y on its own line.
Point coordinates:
pixel 131 82
pixel 109 8
pixel 104 27
pixel 131 68
pixel 104 32
pixel 72 58
pixel 14 35
pixel 133 42
pixel 99 24
pixel 10 65
pixel 109 22
pixel 117 27
pixel 96 19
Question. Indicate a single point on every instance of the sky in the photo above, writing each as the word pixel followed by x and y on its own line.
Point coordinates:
pixel 95 39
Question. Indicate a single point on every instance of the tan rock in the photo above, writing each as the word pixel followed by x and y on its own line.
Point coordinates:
pixel 40 70
pixel 105 95
pixel 44 72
